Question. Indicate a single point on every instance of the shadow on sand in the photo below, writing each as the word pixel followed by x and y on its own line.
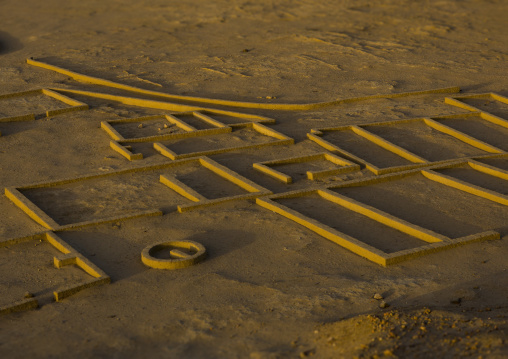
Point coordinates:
pixel 8 43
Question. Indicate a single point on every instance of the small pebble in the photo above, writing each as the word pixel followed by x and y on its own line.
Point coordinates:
pixel 307 353
pixel 140 125
pixel 383 304
pixel 28 295
pixel 377 296
pixel 165 125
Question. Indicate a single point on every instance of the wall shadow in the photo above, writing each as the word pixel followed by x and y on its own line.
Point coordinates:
pixel 9 43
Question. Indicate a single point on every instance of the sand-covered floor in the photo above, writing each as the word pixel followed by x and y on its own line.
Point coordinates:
pixel 270 287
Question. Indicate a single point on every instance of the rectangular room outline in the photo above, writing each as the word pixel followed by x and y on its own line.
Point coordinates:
pixel 74 105
pixel 68 256
pixel 418 161
pixel 280 139
pixel 456 100
pixel 343 166
pixel 39 216
pixel 436 242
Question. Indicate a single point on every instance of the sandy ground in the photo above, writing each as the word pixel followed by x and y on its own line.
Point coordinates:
pixel 270 288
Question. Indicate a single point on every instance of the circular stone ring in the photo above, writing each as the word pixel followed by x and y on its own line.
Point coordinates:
pixel 179 259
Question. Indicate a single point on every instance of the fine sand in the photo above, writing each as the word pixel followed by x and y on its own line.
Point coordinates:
pixel 269 287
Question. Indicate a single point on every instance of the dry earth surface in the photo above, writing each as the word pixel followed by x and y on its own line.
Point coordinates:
pixel 270 288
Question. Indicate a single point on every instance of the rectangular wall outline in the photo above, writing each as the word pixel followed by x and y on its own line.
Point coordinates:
pixel 345 166
pixel 75 105
pixel 280 140
pixel 190 130
pixel 357 246
pixel 437 242
pixel 456 100
pixel 315 136
pixel 68 256
pixel 38 215
pixel 254 190
pixel 431 173
pixel 471 141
